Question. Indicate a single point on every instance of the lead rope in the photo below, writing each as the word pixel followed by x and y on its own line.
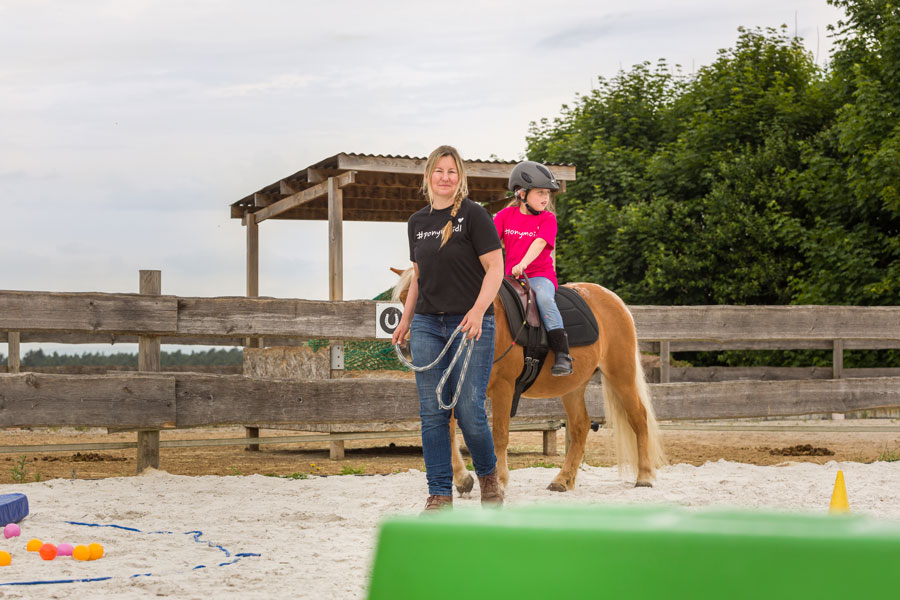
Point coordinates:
pixel 465 366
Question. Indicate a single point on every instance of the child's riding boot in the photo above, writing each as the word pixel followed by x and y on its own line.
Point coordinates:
pixel 559 343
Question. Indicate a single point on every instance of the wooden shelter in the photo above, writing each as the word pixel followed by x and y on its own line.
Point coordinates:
pixel 360 187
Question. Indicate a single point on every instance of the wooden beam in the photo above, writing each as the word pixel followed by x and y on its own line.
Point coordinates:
pixel 665 362
pixel 416 166
pixel 261 200
pixel 124 401
pixel 320 175
pixel 193 400
pixel 549 442
pixel 739 399
pixel 13 358
pixel 727 323
pixel 710 374
pixel 221 399
pixel 148 362
pixel 335 240
pixel 133 314
pixel 247 317
pixel 252 255
pixel 336 286
pixel 288 189
pixel 252 268
pixel 307 195
pixel 148 345
pixel 88 313
pixel 837 358
pixel 252 292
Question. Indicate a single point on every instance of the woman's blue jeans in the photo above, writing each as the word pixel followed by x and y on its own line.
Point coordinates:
pixel 428 336
pixel 545 294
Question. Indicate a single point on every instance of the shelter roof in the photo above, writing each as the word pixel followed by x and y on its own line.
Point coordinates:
pixel 376 187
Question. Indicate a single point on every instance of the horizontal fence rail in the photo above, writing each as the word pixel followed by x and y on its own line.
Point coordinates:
pixel 238 317
pixel 182 400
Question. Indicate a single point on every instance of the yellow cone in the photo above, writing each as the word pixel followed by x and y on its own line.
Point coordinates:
pixel 839 502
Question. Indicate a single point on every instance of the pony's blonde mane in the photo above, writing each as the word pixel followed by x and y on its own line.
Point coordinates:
pixel 403 284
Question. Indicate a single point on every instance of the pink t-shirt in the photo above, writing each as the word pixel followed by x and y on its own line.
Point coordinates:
pixel 518 231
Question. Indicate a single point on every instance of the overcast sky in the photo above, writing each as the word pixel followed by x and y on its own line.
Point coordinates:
pixel 128 127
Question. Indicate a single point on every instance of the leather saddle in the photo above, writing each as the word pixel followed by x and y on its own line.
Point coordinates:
pixel 578 319
pixel 527 331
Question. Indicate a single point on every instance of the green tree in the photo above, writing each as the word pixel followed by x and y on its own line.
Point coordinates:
pixel 851 253
pixel 761 179
pixel 682 195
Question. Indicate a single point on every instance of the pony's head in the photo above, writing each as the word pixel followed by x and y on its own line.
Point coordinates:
pixel 402 286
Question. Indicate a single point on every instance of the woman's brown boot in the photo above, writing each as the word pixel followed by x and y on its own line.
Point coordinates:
pixel 491 491
pixel 435 503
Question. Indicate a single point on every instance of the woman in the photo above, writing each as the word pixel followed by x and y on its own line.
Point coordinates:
pixel 528 232
pixel 458 265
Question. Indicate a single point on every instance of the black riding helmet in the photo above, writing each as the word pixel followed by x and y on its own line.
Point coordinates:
pixel 529 175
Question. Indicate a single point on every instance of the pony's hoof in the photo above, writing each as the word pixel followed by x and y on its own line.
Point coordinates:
pixel 643 484
pixel 466 485
pixel 557 487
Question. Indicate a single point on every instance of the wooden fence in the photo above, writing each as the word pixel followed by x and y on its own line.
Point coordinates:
pixel 150 400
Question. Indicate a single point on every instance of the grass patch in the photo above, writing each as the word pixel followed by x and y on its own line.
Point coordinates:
pixel 889 455
pixel 349 470
pixel 296 475
pixel 19 471
pixel 545 465
pixel 470 466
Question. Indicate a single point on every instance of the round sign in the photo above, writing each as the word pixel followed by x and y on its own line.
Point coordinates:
pixel 389 320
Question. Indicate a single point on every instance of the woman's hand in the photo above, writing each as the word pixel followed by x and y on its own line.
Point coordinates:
pixel 518 269
pixel 471 323
pixel 401 331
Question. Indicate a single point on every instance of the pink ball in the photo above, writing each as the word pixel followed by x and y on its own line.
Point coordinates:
pixel 64 550
pixel 11 530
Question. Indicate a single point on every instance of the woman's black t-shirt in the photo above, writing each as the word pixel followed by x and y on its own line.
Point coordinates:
pixel 450 277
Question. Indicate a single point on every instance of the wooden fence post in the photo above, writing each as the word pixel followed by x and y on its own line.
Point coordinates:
pixel 336 284
pixel 549 442
pixel 13 361
pixel 837 368
pixel 148 362
pixel 665 362
pixel 252 292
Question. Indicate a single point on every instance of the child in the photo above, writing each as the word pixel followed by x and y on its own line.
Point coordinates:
pixel 528 232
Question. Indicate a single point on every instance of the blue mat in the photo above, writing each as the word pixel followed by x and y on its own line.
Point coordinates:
pixel 13 508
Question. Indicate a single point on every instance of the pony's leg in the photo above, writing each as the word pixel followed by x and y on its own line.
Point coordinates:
pixel 462 479
pixel 500 393
pixel 625 393
pixel 577 425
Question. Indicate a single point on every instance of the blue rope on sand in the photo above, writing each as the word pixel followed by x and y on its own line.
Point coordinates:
pixel 196 535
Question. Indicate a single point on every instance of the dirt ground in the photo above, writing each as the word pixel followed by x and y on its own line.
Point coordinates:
pixel 831 440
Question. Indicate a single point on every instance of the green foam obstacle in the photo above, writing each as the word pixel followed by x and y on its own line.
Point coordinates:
pixel 634 553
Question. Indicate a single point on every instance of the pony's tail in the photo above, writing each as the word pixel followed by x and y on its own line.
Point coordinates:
pixel 617 419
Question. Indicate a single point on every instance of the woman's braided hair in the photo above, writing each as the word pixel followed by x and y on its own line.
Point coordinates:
pixel 462 189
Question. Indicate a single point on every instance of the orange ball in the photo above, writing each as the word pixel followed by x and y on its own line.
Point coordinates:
pixel 95 550
pixel 81 552
pixel 34 545
pixel 48 551
pixel 5 558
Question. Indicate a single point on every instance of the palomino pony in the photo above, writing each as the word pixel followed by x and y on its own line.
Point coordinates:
pixel 625 393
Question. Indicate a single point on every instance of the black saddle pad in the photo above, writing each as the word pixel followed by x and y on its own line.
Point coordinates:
pixel 578 319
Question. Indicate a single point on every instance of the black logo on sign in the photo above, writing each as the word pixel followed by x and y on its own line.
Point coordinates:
pixel 390 318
